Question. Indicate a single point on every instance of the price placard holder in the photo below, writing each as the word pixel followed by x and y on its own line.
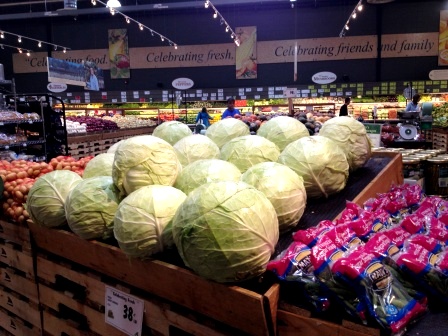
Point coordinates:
pixel 124 311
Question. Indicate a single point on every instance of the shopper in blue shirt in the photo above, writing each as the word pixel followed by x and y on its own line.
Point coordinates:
pixel 231 111
pixel 203 118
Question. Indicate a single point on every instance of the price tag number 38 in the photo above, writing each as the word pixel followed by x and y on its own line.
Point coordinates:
pixel 128 313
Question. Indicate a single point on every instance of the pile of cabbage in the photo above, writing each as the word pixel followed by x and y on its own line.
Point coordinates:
pixel 221 199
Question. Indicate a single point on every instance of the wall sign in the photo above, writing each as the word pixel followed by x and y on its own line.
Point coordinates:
pixel 182 83
pixel 324 77
pixel 56 87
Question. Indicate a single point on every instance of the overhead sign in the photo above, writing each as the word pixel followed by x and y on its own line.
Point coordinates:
pixel 56 87
pixel 324 77
pixel 438 75
pixel 182 83
pixel 290 93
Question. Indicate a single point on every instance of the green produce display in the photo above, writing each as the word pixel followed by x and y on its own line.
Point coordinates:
pixel 440 115
pixel 144 160
pixel 195 147
pixel 246 151
pixel 283 130
pixel 100 165
pixel 143 221
pixel 172 131
pixel 351 136
pixel 204 171
pixel 90 207
pixel 225 130
pixel 283 188
pixel 46 198
pixel 226 231
pixel 320 162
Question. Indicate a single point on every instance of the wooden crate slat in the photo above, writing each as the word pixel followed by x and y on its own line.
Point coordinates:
pixel 290 324
pixel 28 311
pixel 55 326
pixel 17 259
pixel 19 284
pixel 232 305
pixel 15 325
pixel 96 321
pixel 15 233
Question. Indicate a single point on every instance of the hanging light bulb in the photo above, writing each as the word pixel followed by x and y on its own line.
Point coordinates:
pixel 354 15
pixel 28 53
pixel 2 35
pixel 113 4
pixel 227 29
pixel 161 37
pixel 64 51
pixel 2 46
pixel 206 4
pixel 175 46
pixel 140 26
pixel 20 50
pixel 231 35
pixel 94 2
pixel 152 33
pixel 347 27
pixel 128 20
pixel 360 7
pixel 39 44
pixel 112 11
pixel 55 48
pixel 19 39
pixel 237 42
pixel 215 15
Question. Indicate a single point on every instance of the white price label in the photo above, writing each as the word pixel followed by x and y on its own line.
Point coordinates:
pixel 124 311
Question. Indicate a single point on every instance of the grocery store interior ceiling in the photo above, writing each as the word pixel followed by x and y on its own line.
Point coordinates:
pixel 22 9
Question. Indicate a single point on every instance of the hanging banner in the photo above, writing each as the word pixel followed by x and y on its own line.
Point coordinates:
pixel 61 71
pixel 120 63
pixel 246 53
pixel 94 76
pixel 443 38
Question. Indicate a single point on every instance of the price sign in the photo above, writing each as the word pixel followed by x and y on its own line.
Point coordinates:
pixel 124 311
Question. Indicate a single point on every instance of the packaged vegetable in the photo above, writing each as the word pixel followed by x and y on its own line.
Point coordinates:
pixel 311 235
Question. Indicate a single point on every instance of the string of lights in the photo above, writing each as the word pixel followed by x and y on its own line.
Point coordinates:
pixel 113 10
pixel 39 42
pixel 228 29
pixel 358 8
pixel 20 50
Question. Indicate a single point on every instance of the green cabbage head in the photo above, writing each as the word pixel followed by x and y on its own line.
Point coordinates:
pixel 195 147
pixel 172 131
pixel 246 151
pixel 143 222
pixel 351 136
pixel 225 130
pixel 283 187
pixel 320 162
pixel 100 165
pixel 46 198
pixel 144 160
pixel 283 130
pixel 226 231
pixel 90 208
pixel 112 149
pixel 205 171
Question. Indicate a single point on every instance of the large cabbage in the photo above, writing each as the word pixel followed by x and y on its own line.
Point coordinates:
pixel 112 149
pixel 283 187
pixel 90 208
pixel 226 231
pixel 144 160
pixel 205 171
pixel 283 130
pixel 172 131
pixel 352 137
pixel 195 147
pixel 100 165
pixel 225 130
pixel 46 198
pixel 143 222
pixel 321 163
pixel 246 151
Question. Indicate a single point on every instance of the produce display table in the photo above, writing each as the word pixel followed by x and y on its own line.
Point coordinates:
pixel 206 307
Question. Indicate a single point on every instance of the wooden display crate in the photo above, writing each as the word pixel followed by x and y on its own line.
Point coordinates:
pixel 20 312
pixel 73 300
pixel 245 310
